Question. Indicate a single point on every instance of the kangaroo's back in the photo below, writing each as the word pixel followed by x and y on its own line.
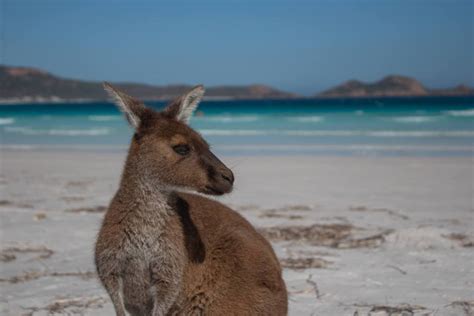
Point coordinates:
pixel 231 268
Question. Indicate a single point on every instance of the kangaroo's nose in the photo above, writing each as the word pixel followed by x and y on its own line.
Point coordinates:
pixel 228 176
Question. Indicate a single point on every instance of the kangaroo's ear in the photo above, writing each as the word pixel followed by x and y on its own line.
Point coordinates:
pixel 183 107
pixel 131 107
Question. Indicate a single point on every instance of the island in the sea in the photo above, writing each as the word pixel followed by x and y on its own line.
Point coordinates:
pixel 391 86
pixel 32 85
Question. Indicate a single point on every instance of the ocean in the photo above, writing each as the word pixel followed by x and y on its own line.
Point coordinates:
pixel 428 126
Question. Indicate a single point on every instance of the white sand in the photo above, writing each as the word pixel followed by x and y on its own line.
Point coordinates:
pixel 408 207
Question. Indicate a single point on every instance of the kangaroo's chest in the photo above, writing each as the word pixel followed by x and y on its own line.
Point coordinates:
pixel 151 258
pixel 145 237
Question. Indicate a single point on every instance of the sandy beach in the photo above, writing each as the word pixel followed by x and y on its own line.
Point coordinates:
pixel 355 235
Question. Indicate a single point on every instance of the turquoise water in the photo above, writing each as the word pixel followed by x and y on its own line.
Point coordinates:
pixel 394 126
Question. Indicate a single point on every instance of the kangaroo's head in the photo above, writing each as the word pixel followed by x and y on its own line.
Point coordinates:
pixel 165 148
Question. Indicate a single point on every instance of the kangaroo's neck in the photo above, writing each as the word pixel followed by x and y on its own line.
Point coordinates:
pixel 140 187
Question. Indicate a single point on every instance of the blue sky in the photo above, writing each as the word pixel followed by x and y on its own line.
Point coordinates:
pixel 295 45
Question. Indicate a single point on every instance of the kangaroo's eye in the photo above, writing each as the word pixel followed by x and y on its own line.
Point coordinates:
pixel 182 149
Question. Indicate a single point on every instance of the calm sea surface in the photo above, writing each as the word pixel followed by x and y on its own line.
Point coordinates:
pixel 395 126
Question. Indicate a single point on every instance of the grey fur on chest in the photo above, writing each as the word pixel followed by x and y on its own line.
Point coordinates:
pixel 151 263
pixel 144 235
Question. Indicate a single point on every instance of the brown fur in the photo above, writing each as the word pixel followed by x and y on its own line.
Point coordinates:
pixel 164 252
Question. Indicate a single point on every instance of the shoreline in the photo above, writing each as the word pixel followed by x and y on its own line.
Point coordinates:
pixel 53 100
pixel 261 150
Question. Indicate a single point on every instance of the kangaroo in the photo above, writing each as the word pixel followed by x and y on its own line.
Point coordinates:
pixel 161 251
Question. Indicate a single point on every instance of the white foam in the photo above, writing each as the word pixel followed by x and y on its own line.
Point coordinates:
pixel 352 147
pixel 307 119
pixel 414 119
pixel 319 133
pixel 6 120
pixel 337 133
pixel 469 112
pixel 103 118
pixel 58 132
pixel 64 147
pixel 420 133
pixel 20 130
pixel 228 118
pixel 79 132
pixel 230 132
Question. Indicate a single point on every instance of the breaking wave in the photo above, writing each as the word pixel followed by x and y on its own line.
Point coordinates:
pixel 228 118
pixel 306 119
pixel 355 147
pixel 6 120
pixel 469 112
pixel 59 132
pixel 103 118
pixel 414 119
pixel 336 133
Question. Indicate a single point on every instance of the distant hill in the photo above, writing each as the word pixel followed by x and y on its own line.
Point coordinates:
pixel 25 84
pixel 458 90
pixel 390 86
pixel 35 85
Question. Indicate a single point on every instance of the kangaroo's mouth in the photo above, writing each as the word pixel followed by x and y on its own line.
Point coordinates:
pixel 215 191
pixel 212 191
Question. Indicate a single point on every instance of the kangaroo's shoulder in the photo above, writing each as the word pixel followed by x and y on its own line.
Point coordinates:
pixel 218 222
pixel 209 210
